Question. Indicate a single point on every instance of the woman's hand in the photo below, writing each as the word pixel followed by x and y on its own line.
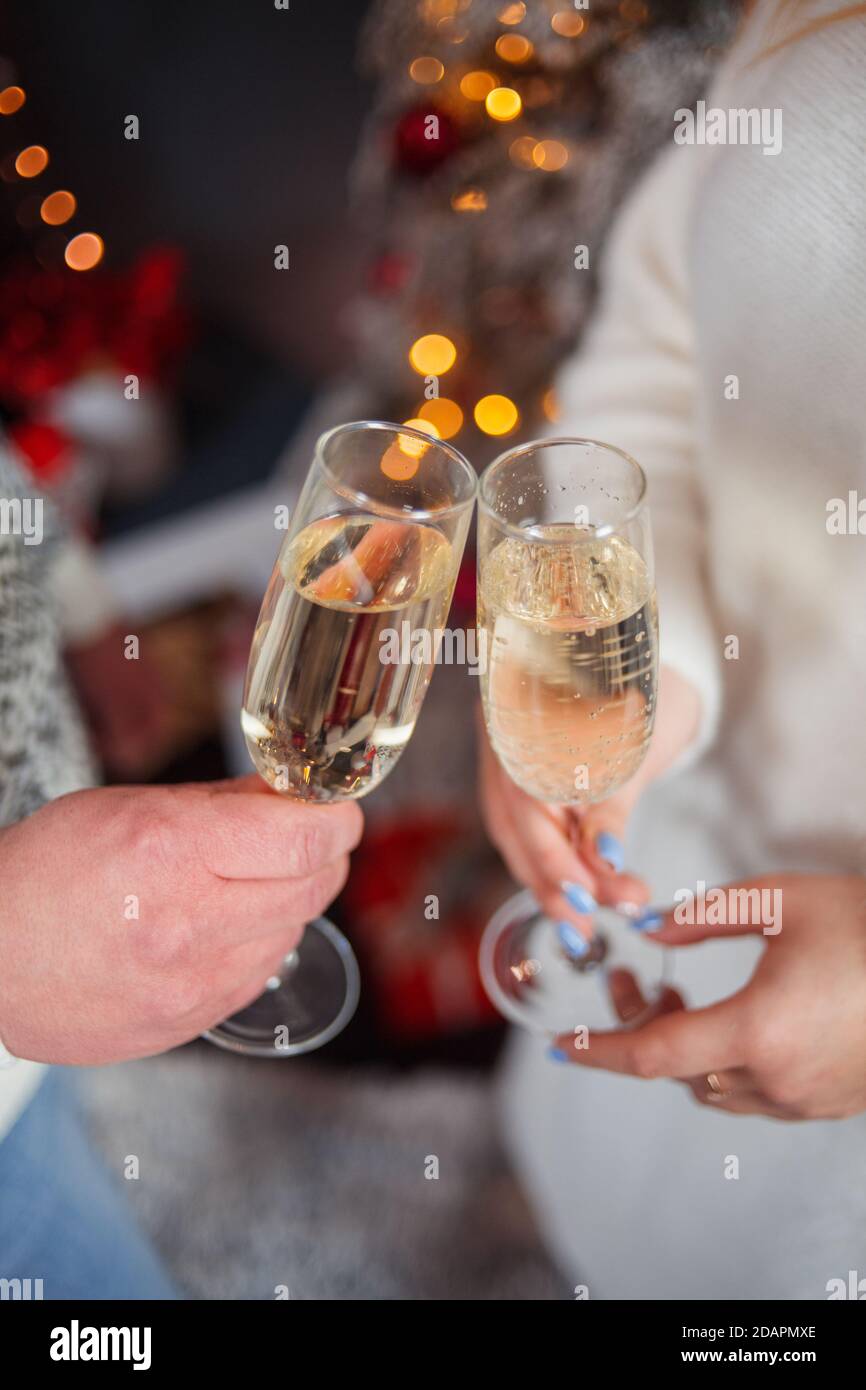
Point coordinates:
pixel 792 1042
pixel 571 859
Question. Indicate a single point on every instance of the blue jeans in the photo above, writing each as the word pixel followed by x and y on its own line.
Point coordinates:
pixel 62 1220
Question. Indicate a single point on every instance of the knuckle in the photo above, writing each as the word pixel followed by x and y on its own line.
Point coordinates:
pixel 163 943
pixel 647 1061
pixel 153 836
pixel 307 846
pixel 767 1041
pixel 786 1088
pixel 180 994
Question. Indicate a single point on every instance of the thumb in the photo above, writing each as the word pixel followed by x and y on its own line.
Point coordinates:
pixel 752 907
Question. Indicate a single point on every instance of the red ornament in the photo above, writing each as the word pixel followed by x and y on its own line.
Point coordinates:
pixel 48 451
pixel 424 138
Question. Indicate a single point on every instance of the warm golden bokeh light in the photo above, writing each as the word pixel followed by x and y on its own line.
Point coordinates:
pixel 477 86
pixel 416 448
pixel 84 251
pixel 514 48
pixel 567 24
pixel 397 465
pixel 57 208
pixel 11 100
pixel 496 414
pixel 434 10
pixel 550 155
pixel 426 71
pixel 449 29
pixel 550 405
pixel 432 355
pixel 503 104
pixel 521 150
pixel 470 200
pixel 31 161
pixel 400 460
pixel 512 14
pixel 444 415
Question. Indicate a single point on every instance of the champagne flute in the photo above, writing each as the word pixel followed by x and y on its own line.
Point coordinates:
pixel 567 606
pixel 333 689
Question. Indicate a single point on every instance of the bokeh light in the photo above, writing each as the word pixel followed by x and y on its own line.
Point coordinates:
pixel 434 10
pixel 470 200
pixel 426 71
pixel 432 355
pixel 445 416
pixel 57 208
pixel 397 465
pixel 503 104
pixel 477 86
pixel 550 155
pixel 11 100
pixel 31 162
pixel 550 405
pixel 512 14
pixel 84 251
pixel 496 414
pixel 521 150
pixel 514 48
pixel 400 460
pixel 416 448
pixel 567 24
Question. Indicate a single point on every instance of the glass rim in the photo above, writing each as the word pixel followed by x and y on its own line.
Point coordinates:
pixel 352 494
pixel 608 529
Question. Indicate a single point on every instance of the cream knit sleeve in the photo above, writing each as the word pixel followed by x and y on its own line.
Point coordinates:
pixel 633 384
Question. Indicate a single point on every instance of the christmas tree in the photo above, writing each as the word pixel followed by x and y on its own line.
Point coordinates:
pixel 503 137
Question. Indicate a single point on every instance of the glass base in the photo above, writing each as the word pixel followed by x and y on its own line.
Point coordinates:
pixel 305 1006
pixel 534 982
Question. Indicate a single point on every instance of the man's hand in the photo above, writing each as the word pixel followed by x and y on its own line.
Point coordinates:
pixel 131 919
pixel 791 1043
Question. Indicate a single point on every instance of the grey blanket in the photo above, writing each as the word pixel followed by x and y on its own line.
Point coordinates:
pixel 257 1175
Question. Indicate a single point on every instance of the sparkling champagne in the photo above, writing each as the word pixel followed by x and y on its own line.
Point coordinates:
pixel 328 708
pixel 572 643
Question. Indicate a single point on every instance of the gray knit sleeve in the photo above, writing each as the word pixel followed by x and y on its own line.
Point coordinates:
pixel 43 746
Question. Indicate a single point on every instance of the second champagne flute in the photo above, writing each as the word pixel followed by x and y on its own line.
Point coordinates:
pixel 336 679
pixel 567 604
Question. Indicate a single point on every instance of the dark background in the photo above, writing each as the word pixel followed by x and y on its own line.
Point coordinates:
pixel 249 119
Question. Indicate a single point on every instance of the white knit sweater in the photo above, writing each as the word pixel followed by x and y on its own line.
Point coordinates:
pixel 727 262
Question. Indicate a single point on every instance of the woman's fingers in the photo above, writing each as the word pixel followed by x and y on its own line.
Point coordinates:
pixel 745 1100
pixel 542 846
pixel 535 843
pixel 630 1003
pixel 675 1042
pixel 599 837
pixel 749 908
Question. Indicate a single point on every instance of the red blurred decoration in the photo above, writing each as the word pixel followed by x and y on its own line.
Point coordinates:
pixel 57 325
pixel 414 152
pixel 48 450
pixel 389 273
pixel 423 974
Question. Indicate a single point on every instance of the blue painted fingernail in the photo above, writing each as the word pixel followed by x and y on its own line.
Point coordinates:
pixel 609 848
pixel 571 940
pixel 556 1054
pixel 649 921
pixel 580 899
